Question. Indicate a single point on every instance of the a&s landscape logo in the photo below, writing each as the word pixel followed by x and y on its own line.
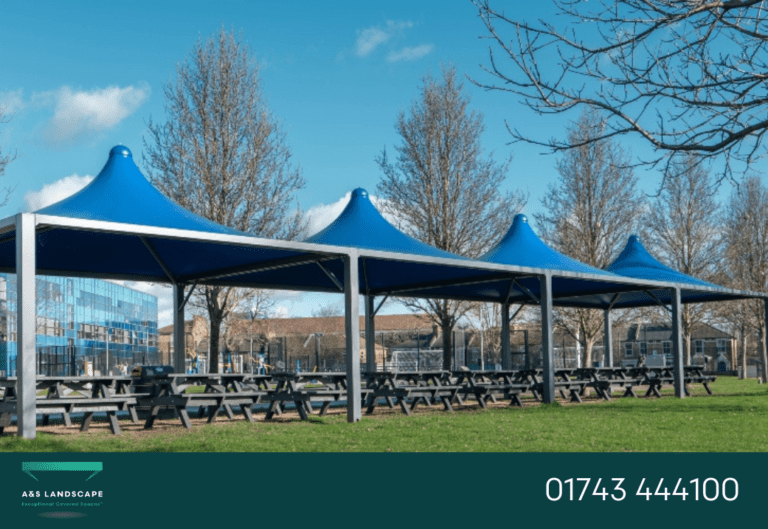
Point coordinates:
pixel 63 495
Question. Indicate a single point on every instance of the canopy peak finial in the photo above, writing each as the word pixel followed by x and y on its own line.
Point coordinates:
pixel 120 150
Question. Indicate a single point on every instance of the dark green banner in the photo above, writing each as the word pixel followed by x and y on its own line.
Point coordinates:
pixel 383 490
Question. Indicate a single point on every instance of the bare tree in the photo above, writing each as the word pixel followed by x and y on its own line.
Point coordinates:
pixel 248 321
pixel 443 186
pixel 5 159
pixel 327 311
pixel 684 231
pixel 223 155
pixel 682 76
pixel 738 318
pixel 486 318
pixel 746 248
pixel 589 213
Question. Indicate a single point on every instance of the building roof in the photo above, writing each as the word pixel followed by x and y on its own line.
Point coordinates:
pixel 660 333
pixel 307 326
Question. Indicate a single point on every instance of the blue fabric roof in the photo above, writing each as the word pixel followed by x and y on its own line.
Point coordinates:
pixel 361 225
pixel 635 261
pixel 120 193
pixel 520 246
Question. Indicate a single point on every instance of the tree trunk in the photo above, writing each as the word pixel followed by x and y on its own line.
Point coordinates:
pixel 213 361
pixel 447 330
pixel 687 349
pixel 587 361
pixel 588 353
pixel 744 354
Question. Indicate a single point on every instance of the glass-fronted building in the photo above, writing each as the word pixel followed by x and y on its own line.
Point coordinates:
pixel 84 325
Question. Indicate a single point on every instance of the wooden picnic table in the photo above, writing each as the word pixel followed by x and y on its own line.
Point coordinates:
pixel 563 383
pixel 602 380
pixel 303 389
pixel 654 378
pixel 220 391
pixel 65 395
pixel 416 386
pixel 694 374
pixel 487 385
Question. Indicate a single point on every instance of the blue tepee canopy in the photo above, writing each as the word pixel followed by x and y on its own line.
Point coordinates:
pixel 392 261
pixel 522 247
pixel 361 225
pixel 635 261
pixel 120 193
pixel 121 227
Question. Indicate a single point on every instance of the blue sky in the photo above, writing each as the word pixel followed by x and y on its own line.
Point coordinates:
pixel 81 77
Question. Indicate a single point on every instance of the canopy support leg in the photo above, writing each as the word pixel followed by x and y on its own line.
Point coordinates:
pixel 26 370
pixel 547 351
pixel 370 335
pixel 608 338
pixel 352 328
pixel 179 347
pixel 677 343
pixel 506 353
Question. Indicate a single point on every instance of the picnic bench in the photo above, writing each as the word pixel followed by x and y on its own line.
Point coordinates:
pixel 603 380
pixel 695 375
pixel 219 391
pixel 488 385
pixel 72 394
pixel 563 383
pixel 304 389
pixel 415 386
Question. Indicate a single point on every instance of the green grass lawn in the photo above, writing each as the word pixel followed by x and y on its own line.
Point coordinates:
pixel 735 418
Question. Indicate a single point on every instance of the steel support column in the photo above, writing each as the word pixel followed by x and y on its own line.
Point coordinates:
pixel 26 369
pixel 506 353
pixel 677 343
pixel 179 346
pixel 352 328
pixel 607 338
pixel 547 342
pixel 370 335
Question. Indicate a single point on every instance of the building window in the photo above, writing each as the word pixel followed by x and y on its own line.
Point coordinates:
pixel 667 348
pixel 628 349
pixel 721 346
pixel 644 348
pixel 699 347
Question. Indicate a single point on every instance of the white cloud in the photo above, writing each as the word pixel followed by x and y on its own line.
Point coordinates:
pixel 79 113
pixel 321 215
pixel 58 190
pixel 369 39
pixel 11 102
pixel 410 53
